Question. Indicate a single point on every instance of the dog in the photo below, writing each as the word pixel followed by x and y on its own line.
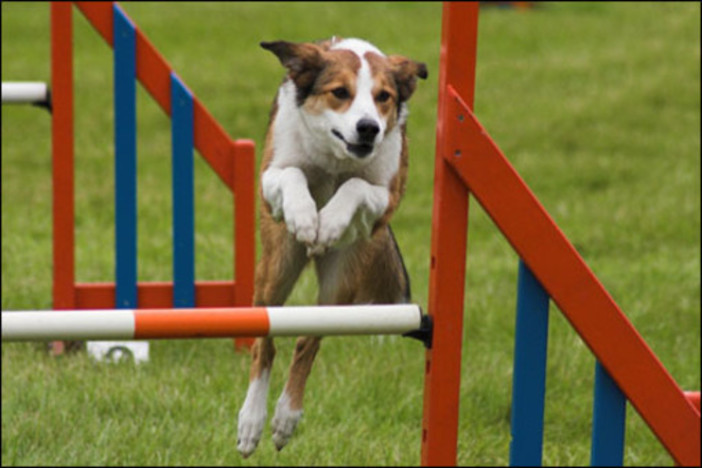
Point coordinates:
pixel 333 172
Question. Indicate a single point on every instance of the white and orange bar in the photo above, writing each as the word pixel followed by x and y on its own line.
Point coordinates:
pixel 146 324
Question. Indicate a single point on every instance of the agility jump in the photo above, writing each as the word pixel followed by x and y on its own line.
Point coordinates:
pixel 148 324
pixel 468 161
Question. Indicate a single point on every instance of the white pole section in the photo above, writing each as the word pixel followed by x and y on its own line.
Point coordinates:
pixel 393 319
pixel 24 92
pixel 68 325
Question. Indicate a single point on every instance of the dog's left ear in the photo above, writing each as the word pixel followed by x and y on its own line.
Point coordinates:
pixel 406 72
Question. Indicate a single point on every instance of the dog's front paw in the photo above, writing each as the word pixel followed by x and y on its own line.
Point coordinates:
pixel 338 229
pixel 284 422
pixel 301 219
pixel 332 226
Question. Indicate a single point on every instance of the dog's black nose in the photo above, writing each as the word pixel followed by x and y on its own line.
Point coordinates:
pixel 367 129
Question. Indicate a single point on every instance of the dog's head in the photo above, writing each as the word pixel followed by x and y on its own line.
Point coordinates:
pixel 351 95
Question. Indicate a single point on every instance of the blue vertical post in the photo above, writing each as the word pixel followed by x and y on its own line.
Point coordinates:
pixel 182 135
pixel 529 377
pixel 125 161
pixel 608 421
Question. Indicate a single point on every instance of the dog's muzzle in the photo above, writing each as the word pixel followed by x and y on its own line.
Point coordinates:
pixel 367 130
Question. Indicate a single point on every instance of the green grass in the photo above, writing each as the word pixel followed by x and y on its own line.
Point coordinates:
pixel 596 104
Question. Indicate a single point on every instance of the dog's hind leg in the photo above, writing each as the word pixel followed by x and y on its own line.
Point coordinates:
pixel 288 410
pixel 252 415
pixel 281 263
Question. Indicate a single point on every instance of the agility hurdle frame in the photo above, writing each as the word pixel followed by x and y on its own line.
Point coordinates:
pixel 468 161
pixel 192 127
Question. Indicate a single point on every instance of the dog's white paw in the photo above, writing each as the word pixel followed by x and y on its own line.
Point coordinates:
pixel 284 421
pixel 252 416
pixel 332 226
pixel 338 229
pixel 301 219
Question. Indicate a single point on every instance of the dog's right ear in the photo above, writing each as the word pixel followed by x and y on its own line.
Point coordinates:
pixel 304 60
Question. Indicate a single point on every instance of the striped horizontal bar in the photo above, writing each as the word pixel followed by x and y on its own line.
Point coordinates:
pixel 144 324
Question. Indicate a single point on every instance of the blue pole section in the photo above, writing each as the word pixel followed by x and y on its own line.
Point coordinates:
pixel 529 378
pixel 182 135
pixel 608 421
pixel 125 161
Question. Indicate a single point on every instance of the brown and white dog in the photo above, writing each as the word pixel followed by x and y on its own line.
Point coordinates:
pixel 334 170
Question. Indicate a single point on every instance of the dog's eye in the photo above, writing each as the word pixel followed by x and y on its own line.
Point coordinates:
pixel 382 96
pixel 341 93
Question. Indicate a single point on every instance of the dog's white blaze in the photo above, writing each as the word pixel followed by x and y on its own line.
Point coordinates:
pixel 363 105
pixel 358 46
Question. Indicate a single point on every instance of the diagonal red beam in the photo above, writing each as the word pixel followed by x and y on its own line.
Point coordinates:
pixel 153 71
pixel 571 284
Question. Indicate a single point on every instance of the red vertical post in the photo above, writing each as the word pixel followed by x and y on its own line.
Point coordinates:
pixel 448 245
pixel 62 150
pixel 243 183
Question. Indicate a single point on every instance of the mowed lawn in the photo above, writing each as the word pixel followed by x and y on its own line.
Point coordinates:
pixel 597 105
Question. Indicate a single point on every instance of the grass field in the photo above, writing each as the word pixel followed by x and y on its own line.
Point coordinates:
pixel 596 104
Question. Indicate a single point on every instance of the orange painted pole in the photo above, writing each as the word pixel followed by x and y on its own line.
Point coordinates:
pixel 62 159
pixel 243 179
pixel 448 248
pixel 571 284
pixel 244 220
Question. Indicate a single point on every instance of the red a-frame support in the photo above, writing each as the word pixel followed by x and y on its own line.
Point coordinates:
pixel 468 161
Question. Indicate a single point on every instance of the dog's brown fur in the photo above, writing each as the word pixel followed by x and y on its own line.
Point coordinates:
pixel 371 269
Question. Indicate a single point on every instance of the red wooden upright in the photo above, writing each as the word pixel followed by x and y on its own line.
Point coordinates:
pixel 62 150
pixel 448 246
